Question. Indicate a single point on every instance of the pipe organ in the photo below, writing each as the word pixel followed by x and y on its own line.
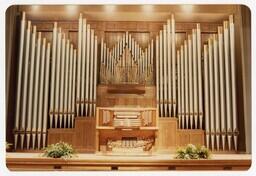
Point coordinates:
pixel 126 62
pixel 58 82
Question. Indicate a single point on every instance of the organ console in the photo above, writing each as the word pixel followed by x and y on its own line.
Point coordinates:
pixel 58 81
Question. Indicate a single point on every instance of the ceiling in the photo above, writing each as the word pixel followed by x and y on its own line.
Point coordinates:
pixel 183 13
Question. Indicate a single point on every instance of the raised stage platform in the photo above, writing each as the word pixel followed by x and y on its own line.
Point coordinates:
pixel 35 162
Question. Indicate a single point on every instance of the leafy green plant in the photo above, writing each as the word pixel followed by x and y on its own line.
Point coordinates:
pixel 192 152
pixel 59 150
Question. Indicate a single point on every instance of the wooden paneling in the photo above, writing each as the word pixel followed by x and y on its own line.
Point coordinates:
pixel 194 136
pixel 85 133
pixel 167 133
pixel 105 99
pixel 170 137
pixel 57 135
pixel 82 137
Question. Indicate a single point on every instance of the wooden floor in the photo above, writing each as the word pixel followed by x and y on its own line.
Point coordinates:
pixel 36 162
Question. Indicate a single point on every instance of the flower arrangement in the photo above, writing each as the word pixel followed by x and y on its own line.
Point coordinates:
pixel 59 150
pixel 192 152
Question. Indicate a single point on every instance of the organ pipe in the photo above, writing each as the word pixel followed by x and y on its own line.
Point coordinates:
pixel 65 112
pixel 31 86
pixel 190 61
pixel 173 65
pixel 222 87
pixel 40 110
pixel 228 87
pixel 57 88
pixel 186 83
pixel 206 95
pixel 79 52
pixel 169 64
pixel 88 58
pixel 216 89
pixel 62 79
pixel 46 93
pixel 211 84
pixel 195 77
pixel 95 76
pixel 179 88
pixel 233 80
pixel 36 90
pixel 18 105
pixel 161 73
pixel 157 73
pixel 71 62
pixel 54 47
pixel 182 86
pixel 165 71
pixel 73 87
pixel 91 73
pixel 82 103
pixel 24 101
pixel 200 95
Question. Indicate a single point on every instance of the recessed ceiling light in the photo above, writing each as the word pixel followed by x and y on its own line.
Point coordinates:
pixel 110 8
pixel 187 8
pixel 147 8
pixel 72 9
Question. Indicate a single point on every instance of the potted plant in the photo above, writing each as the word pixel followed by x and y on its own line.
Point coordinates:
pixel 192 152
pixel 59 150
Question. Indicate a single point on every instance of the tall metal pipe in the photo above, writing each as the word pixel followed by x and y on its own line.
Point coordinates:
pixel 195 77
pixel 88 58
pixel 62 79
pixel 206 96
pixel 71 62
pixel 233 80
pixel 222 87
pixel 36 90
pixel 186 84
pixel 190 73
pixel 57 88
pixel 83 58
pixel 41 91
pixel 199 62
pixel 79 64
pixel 165 70
pixel 179 88
pixel 31 87
pixel 53 73
pixel 25 85
pixel 211 84
pixel 182 86
pixel 228 86
pixel 216 90
pixel 46 93
pixel 91 73
pixel 65 111
pixel 21 60
pixel 169 65
pixel 173 65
